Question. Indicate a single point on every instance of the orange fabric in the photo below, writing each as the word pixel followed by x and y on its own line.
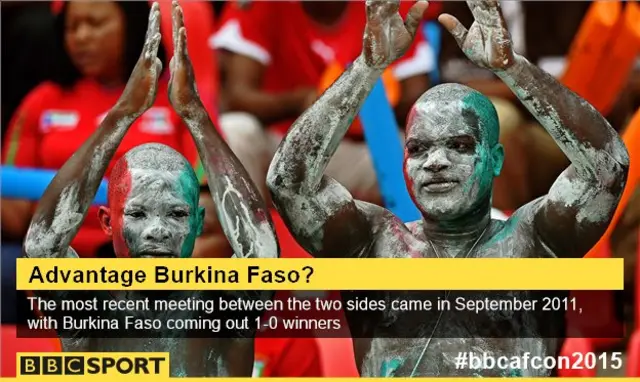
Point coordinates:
pixel 590 44
pixel 615 66
pixel 391 87
pixel 631 138
pixel 333 71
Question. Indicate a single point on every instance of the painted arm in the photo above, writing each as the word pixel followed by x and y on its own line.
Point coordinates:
pixel 320 212
pixel 67 199
pixel 581 203
pixel 243 214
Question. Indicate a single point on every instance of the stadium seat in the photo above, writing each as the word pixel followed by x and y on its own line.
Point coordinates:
pixel 11 345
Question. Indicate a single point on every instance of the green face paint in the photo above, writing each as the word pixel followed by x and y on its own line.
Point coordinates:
pixel 507 231
pixel 486 123
pixel 389 367
pixel 190 192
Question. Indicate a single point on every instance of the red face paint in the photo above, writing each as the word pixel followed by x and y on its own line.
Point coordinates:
pixel 118 193
pixel 407 179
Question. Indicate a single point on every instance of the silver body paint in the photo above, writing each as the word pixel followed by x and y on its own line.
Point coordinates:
pixel 327 221
pixel 156 218
pixel 239 207
pixel 155 223
pixel 513 238
pixel 51 238
pixel 441 170
pixel 189 357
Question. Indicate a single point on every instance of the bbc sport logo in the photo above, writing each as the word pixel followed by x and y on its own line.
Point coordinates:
pixel 95 364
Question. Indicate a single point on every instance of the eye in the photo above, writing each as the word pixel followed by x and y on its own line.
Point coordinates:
pixel 135 214
pixel 414 148
pixel 96 22
pixel 462 144
pixel 178 213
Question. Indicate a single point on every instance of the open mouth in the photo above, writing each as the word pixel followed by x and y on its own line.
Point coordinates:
pixel 440 185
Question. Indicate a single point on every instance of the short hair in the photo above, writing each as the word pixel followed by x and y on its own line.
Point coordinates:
pixel 136 19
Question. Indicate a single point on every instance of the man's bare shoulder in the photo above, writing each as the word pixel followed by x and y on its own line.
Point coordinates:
pixel 391 236
pixel 516 236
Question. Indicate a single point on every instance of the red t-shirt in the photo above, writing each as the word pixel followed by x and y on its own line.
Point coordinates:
pixel 296 50
pixel 52 123
pixel 286 357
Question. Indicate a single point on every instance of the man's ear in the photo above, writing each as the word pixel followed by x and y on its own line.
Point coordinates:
pixel 200 220
pixel 104 215
pixel 497 158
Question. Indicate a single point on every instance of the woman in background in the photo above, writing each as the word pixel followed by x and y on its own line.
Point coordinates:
pixel 99 44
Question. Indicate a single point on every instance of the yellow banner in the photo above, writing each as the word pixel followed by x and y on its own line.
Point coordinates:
pixel 166 379
pixel 320 274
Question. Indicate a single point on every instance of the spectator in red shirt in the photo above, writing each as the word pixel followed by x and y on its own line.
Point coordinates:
pixel 287 357
pixel 100 43
pixel 281 53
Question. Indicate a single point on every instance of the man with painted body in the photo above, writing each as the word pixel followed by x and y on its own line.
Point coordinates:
pixel 452 155
pixel 153 213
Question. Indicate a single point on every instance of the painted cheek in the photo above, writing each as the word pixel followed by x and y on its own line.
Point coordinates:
pixel 117 199
pixel 188 191
pixel 477 163
pixel 484 170
pixel 190 238
pixel 119 243
pixel 407 178
pixel 409 172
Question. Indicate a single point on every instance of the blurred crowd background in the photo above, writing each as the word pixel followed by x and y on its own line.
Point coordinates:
pixel 260 64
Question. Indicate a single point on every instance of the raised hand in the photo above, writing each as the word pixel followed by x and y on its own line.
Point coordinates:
pixel 140 92
pixel 386 36
pixel 487 43
pixel 182 85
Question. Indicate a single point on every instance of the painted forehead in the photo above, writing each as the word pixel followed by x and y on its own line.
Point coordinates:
pixel 434 120
pixel 163 186
pixel 452 110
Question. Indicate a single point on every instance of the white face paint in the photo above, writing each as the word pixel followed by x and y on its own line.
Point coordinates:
pixel 447 167
pixel 159 216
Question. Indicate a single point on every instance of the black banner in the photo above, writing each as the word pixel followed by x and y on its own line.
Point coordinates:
pixel 355 314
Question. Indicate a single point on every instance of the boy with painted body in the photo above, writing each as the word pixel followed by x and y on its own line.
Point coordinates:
pixel 153 211
pixel 452 155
